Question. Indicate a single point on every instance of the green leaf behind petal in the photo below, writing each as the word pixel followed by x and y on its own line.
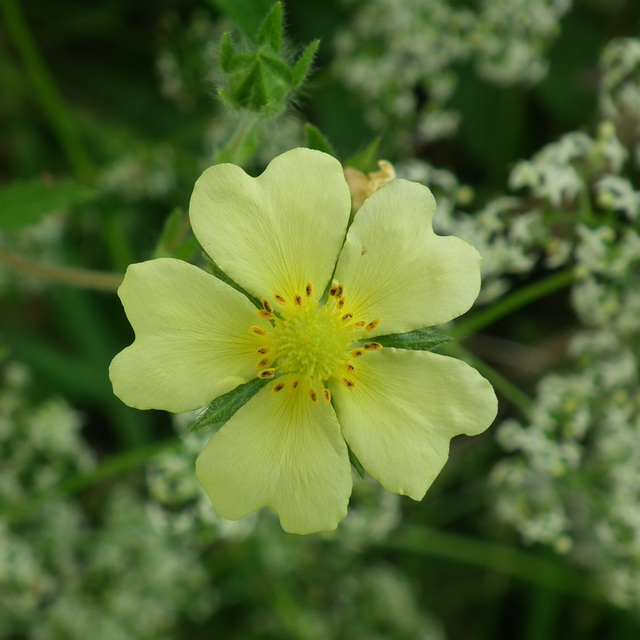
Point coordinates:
pixel 315 139
pixel 419 340
pixel 222 408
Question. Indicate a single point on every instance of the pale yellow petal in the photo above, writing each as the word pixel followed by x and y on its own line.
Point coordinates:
pixel 281 451
pixel 394 267
pixel 193 338
pixel 404 409
pixel 279 231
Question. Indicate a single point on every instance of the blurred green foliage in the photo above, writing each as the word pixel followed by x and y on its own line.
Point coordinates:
pixel 109 113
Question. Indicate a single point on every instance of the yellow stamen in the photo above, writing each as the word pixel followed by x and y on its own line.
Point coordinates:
pixel 356 353
pixel 350 384
pixel 373 324
pixel 265 374
pixel 346 317
pixel 263 363
pixel 265 315
pixel 340 303
pixel 266 305
pixel 308 290
pixel 360 324
pixel 326 395
pixel 278 387
pixel 298 300
pixel 372 346
pixel 279 299
pixel 313 395
pixel 263 350
pixel 258 331
pixel 294 385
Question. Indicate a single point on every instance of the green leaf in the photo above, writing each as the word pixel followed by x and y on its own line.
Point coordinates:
pixel 246 14
pixel 367 159
pixel 176 240
pixel 227 53
pixel 221 275
pixel 419 340
pixel 301 68
pixel 25 203
pixel 315 139
pixel 222 408
pixel 355 463
pixel 270 31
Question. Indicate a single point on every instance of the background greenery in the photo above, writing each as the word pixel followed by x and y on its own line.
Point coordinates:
pixel 109 112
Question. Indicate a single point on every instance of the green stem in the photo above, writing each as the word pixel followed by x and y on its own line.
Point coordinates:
pixel 232 151
pixel 493 556
pixel 112 467
pixel 506 388
pixel 47 93
pixel 512 302
pixel 84 278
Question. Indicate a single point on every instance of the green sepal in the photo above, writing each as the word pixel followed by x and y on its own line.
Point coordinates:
pixel 227 53
pixel 315 139
pixel 419 340
pixel 223 408
pixel 301 68
pixel 270 32
pixel 215 270
pixel 367 159
pixel 25 203
pixel 259 81
pixel 355 463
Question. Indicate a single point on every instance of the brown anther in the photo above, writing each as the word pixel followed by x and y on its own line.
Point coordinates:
pixel 350 384
pixel 340 303
pixel 373 324
pixel 265 374
pixel 266 305
pixel 313 395
pixel 339 290
pixel 332 291
pixel 361 324
pixel 278 387
pixel 264 350
pixel 349 367
pixel 265 315
pixel 309 289
pixel 346 317
pixel 356 353
pixel 326 395
pixel 298 300
pixel 263 363
pixel 372 346
pixel 294 385
pixel 258 331
pixel 279 299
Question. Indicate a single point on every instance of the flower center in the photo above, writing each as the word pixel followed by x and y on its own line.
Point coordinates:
pixel 311 342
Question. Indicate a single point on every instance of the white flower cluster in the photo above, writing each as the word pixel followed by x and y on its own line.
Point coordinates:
pixel 393 51
pixel 506 235
pixel 146 172
pixel 66 569
pixel 572 480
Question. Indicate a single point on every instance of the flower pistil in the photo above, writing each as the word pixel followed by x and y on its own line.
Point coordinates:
pixel 311 342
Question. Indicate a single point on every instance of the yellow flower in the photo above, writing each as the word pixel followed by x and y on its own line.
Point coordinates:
pixel 325 298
